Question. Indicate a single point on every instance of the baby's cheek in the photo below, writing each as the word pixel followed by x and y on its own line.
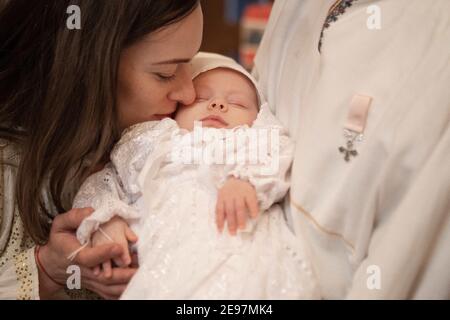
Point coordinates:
pixel 185 118
pixel 240 118
pixel 252 115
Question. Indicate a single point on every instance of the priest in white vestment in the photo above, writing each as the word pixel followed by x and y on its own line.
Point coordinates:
pixel 369 109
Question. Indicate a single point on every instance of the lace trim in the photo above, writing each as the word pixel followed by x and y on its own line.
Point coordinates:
pixel 334 14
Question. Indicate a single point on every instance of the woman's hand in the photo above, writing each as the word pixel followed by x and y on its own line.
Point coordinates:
pixel 117 231
pixel 62 242
pixel 236 202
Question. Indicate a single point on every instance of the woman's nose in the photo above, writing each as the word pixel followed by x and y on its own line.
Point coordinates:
pixel 187 94
pixel 184 91
pixel 219 105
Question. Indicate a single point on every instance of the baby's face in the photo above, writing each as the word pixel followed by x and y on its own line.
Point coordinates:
pixel 225 99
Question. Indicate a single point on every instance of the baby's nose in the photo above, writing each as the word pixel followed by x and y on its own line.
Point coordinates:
pixel 219 105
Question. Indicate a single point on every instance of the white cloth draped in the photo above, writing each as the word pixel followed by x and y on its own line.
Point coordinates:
pixel 389 206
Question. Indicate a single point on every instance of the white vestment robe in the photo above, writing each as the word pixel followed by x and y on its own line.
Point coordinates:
pixel 378 225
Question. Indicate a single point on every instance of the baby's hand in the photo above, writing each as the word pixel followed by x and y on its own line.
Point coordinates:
pixel 118 231
pixel 236 201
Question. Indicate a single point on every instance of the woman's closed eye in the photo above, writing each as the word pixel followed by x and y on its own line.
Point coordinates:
pixel 165 73
pixel 165 77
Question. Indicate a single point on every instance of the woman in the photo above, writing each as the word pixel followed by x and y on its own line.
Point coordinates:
pixel 65 96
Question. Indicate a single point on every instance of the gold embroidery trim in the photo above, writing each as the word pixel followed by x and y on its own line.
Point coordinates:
pixel 321 228
pixel 18 245
pixel 2 181
pixel 24 276
pixel 334 6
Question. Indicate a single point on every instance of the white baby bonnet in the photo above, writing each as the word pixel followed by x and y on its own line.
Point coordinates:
pixel 205 61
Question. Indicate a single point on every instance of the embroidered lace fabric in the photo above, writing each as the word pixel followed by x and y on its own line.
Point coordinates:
pixel 333 16
pixel 171 206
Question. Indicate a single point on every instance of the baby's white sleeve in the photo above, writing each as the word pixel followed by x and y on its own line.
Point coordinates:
pixel 112 191
pixel 103 192
pixel 270 175
pixel 137 144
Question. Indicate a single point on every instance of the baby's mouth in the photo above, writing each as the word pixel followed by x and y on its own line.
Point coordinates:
pixel 214 121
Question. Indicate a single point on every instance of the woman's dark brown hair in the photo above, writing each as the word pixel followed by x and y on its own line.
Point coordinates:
pixel 58 90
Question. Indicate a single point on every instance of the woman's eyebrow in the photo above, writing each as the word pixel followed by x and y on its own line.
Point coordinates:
pixel 172 61
pixel 175 61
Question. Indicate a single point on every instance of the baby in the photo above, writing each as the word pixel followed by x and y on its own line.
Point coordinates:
pixel 223 160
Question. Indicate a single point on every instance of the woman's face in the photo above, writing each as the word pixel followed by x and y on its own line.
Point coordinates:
pixel 154 73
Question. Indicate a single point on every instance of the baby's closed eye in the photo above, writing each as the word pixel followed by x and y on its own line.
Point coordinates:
pixel 238 104
pixel 239 100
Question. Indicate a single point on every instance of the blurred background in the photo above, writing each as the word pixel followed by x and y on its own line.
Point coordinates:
pixel 232 27
pixel 235 27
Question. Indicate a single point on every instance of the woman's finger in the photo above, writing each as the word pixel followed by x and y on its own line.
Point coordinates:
pixel 107 270
pixel 113 292
pixel 120 276
pixel 71 220
pixel 110 292
pixel 90 257
pixel 96 271
pixel 134 260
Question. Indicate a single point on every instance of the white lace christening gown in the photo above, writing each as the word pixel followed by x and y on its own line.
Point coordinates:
pixel 169 199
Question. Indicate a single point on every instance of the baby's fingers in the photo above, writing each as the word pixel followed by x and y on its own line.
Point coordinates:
pixel 252 204
pixel 241 212
pixel 220 214
pixel 231 216
pixel 125 258
pixel 130 235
